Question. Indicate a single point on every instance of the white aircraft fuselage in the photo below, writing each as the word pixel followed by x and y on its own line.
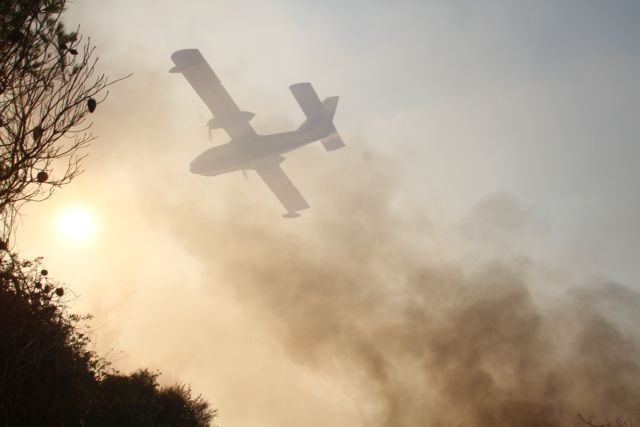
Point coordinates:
pixel 247 152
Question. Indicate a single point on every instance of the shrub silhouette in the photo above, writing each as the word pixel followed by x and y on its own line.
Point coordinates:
pixel 48 375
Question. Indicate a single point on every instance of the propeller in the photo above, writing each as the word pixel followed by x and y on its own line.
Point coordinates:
pixel 208 125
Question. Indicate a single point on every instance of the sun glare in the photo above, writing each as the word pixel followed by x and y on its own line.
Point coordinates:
pixel 77 225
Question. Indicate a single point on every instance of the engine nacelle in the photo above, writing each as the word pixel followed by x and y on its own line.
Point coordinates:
pixel 221 122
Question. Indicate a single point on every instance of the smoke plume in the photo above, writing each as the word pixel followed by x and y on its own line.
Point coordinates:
pixel 361 296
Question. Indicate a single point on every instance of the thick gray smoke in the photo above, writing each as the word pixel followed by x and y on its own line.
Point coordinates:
pixel 356 296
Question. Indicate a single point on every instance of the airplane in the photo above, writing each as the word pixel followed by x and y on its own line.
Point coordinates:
pixel 247 149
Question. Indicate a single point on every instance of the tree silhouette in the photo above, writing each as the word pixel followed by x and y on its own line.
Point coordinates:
pixel 48 86
pixel 45 367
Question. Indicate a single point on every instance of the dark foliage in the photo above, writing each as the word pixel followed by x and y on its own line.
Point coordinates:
pixel 46 371
pixel 137 400
pixel 48 376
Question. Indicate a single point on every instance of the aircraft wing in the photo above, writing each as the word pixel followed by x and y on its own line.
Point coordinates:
pixel 204 81
pixel 280 184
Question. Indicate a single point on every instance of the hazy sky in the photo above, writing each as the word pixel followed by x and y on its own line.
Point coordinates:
pixel 477 134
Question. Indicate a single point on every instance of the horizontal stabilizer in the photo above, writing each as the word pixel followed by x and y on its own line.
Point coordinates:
pixel 333 141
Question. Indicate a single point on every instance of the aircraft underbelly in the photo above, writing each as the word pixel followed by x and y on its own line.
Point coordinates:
pixel 246 155
pixel 211 166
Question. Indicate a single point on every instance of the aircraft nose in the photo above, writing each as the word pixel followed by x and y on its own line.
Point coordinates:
pixel 195 167
pixel 207 163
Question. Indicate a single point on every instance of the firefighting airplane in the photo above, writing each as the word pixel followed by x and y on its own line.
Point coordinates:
pixel 247 149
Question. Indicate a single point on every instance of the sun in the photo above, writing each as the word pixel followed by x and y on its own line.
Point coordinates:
pixel 77 224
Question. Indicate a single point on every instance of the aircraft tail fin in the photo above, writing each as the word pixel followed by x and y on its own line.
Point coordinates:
pixel 316 110
pixel 333 141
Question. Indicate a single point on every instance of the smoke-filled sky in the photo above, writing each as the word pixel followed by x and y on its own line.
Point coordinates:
pixel 470 258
